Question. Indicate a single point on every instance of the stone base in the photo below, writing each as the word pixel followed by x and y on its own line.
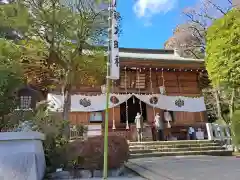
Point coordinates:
pixel 21 156
pixel 86 174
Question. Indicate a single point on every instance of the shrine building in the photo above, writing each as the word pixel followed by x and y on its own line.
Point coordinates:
pixel 150 81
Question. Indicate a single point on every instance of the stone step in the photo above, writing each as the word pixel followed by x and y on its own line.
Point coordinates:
pixel 182 153
pixel 135 151
pixel 170 142
pixel 144 146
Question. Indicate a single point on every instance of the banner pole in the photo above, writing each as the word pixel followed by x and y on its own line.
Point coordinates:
pixel 105 162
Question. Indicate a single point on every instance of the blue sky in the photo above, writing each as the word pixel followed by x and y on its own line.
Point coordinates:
pixel 149 23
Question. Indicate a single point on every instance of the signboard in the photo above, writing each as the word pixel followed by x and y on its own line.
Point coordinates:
pixel 114 56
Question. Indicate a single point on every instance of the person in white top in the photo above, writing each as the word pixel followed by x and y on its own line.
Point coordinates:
pixel 168 118
pixel 159 127
pixel 139 126
pixel 200 134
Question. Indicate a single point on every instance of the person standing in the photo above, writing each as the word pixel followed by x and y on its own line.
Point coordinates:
pixel 159 127
pixel 168 118
pixel 153 128
pixel 191 133
pixel 139 126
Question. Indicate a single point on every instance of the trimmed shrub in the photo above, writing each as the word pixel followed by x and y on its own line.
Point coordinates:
pixel 89 154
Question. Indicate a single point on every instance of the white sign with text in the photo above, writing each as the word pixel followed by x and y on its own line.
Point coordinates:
pixel 114 57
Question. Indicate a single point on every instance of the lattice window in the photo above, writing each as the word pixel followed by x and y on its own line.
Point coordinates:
pixel 159 80
pixel 132 81
pixel 25 102
pixel 141 81
pixel 128 80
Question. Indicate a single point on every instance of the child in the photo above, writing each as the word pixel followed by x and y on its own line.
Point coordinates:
pixel 191 133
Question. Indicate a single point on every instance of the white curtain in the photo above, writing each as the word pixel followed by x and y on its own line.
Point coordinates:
pixel 174 103
pixel 82 103
pixel 148 99
pixel 181 103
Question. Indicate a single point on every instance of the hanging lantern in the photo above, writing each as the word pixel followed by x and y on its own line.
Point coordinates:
pixel 103 88
pixel 162 90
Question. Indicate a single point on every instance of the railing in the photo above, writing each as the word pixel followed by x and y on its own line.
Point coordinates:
pixel 218 132
pixel 75 134
pixel 94 130
pixel 90 131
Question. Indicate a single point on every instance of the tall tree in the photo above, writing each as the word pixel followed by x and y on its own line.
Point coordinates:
pixel 223 54
pixel 202 16
pixel 187 44
pixel 67 31
pixel 190 37
pixel 62 39
pixel 13 20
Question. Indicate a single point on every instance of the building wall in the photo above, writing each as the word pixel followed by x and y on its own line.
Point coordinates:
pixel 176 83
pixel 83 117
pixel 180 118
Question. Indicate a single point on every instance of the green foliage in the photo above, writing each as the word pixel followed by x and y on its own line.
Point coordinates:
pixel 9 82
pixel 10 78
pixel 9 53
pixel 60 42
pixel 71 32
pixel 81 129
pixel 13 17
pixel 34 62
pixel 57 34
pixel 53 127
pixel 223 50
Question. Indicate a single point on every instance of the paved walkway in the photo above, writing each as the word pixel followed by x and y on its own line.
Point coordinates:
pixel 119 178
pixel 187 168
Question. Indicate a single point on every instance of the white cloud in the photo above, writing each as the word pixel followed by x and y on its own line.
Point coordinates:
pixel 148 8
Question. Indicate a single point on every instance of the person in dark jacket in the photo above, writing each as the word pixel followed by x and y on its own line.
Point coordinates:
pixel 153 128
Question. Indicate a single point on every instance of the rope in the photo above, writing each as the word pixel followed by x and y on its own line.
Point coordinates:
pixel 86 116
pixel 139 92
pixel 113 112
pixel 163 81
pixel 127 125
pixel 151 85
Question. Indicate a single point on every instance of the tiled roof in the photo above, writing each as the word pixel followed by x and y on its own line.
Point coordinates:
pixel 151 54
pixel 155 56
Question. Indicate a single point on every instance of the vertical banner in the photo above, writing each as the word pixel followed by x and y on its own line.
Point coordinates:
pixel 114 55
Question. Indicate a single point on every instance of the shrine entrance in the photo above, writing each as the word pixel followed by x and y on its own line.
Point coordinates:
pixel 133 108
